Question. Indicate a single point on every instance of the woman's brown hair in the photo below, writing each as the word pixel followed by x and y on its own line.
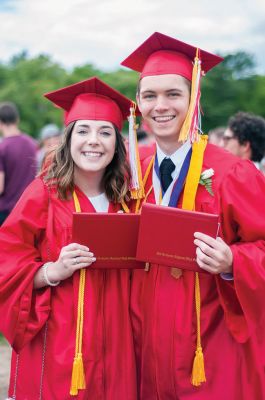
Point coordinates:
pixel 60 172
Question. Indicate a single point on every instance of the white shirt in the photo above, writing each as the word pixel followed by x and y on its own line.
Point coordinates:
pixel 100 202
pixel 177 158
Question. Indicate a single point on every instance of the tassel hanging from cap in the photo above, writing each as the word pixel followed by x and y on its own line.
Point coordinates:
pixel 78 374
pixel 136 184
pixel 192 124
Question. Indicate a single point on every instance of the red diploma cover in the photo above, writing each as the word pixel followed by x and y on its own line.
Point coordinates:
pixel 166 235
pixel 111 237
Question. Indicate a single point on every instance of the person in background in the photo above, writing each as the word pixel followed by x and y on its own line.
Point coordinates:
pixel 245 137
pixel 69 325
pixel 18 166
pixel 50 138
pixel 198 336
pixel 215 135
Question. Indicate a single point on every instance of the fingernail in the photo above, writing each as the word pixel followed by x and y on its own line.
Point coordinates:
pixel 94 259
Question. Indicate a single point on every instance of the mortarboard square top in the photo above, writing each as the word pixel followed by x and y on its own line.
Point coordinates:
pixel 161 55
pixel 91 99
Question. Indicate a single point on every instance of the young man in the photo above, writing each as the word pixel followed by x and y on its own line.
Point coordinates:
pixel 224 320
pixel 245 137
pixel 18 165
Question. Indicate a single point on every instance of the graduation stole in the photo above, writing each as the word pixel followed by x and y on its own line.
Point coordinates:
pixel 188 203
pixel 78 376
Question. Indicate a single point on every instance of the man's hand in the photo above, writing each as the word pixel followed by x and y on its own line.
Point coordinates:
pixel 213 255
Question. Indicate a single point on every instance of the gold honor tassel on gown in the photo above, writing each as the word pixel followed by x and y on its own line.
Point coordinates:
pixel 78 375
pixel 193 177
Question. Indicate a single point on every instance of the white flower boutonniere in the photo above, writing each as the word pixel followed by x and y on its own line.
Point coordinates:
pixel 206 180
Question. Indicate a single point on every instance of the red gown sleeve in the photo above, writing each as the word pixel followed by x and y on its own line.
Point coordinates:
pixel 242 197
pixel 23 310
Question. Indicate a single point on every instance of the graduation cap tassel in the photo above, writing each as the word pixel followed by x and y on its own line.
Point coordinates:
pixel 78 374
pixel 136 185
pixel 190 126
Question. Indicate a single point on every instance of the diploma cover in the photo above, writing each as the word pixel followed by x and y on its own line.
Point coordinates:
pixel 166 235
pixel 111 237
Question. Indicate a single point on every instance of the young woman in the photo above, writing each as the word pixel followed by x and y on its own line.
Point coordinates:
pixel 42 312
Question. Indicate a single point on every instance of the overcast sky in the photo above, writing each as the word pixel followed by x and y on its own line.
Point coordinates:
pixel 104 32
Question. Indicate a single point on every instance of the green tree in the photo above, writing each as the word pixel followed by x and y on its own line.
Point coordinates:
pixel 230 87
pixel 25 82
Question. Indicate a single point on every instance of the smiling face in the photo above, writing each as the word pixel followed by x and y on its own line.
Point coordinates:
pixel 164 101
pixel 92 146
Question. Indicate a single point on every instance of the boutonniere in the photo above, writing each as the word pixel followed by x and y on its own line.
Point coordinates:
pixel 206 180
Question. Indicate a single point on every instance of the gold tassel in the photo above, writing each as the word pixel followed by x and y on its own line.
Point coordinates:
pixel 198 372
pixel 190 190
pixel 192 120
pixel 125 207
pixel 136 187
pixel 78 374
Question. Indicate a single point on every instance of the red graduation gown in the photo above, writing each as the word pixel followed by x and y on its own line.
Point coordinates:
pixel 40 324
pixel 232 312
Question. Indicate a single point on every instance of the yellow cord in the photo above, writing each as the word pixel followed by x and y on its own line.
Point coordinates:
pixel 147 172
pixel 198 371
pixel 190 190
pixel 78 375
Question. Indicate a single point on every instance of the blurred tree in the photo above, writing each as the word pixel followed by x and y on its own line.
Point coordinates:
pixel 26 80
pixel 81 73
pixel 230 87
pixel 124 81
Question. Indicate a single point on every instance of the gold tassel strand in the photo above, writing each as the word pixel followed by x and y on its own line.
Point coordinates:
pixel 191 124
pixel 193 177
pixel 198 371
pixel 78 374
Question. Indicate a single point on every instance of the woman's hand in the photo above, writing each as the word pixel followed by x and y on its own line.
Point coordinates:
pixel 213 255
pixel 72 257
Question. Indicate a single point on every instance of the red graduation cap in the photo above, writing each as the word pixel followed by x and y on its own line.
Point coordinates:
pixel 91 99
pixel 161 54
